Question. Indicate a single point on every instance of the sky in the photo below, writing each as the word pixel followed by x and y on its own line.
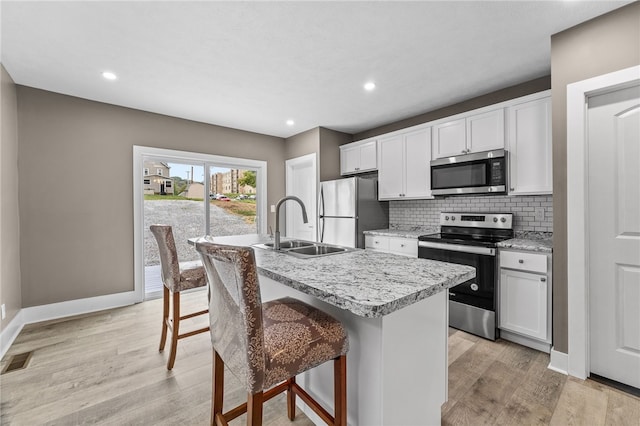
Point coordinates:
pixel 184 171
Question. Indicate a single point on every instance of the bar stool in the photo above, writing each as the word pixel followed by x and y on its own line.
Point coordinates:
pixel 175 279
pixel 267 344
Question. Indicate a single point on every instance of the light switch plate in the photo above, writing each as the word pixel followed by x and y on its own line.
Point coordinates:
pixel 3 312
pixel 539 214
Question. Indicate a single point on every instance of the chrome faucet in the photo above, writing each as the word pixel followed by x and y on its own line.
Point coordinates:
pixel 276 242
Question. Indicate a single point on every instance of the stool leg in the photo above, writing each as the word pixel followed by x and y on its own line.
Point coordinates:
pixel 217 391
pixel 165 317
pixel 176 330
pixel 340 390
pixel 291 400
pixel 254 409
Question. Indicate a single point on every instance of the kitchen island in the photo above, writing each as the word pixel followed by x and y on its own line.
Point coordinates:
pixel 395 310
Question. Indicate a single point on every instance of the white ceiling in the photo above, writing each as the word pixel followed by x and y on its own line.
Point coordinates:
pixel 253 65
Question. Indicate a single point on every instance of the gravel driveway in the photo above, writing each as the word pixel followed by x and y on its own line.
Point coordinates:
pixel 187 219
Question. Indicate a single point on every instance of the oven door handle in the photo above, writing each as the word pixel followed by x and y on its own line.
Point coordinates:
pixel 459 248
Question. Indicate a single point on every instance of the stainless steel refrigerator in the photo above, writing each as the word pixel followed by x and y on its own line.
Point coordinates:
pixel 347 207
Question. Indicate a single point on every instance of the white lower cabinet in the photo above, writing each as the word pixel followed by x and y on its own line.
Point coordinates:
pixel 394 245
pixel 525 298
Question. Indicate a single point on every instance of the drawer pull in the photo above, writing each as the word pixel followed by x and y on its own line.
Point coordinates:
pixel 401 245
pixel 544 280
pixel 377 242
pixel 520 261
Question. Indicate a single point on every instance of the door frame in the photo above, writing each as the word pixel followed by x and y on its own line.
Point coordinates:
pixel 139 152
pixel 289 164
pixel 578 213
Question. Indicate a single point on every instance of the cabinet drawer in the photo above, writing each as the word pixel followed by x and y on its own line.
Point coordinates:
pixel 376 242
pixel 523 261
pixel 403 246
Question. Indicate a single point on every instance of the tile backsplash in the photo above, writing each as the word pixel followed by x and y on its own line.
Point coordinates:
pixel 425 213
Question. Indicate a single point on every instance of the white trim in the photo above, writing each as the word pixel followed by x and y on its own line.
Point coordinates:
pixel 61 310
pixel 577 212
pixel 10 332
pixel 559 361
pixel 185 156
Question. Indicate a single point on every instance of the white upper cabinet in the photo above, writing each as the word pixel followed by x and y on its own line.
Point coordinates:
pixel 450 138
pixel 529 146
pixel 358 157
pixel 485 131
pixel 403 170
pixel 473 133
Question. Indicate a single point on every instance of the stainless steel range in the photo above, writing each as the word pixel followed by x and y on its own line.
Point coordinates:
pixel 470 239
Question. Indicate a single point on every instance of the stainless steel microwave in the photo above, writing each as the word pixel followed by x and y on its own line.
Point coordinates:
pixel 477 173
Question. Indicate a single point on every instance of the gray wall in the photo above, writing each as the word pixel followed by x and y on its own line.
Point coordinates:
pixel 605 44
pixel 523 89
pixel 330 141
pixel 325 144
pixel 10 289
pixel 304 143
pixel 76 227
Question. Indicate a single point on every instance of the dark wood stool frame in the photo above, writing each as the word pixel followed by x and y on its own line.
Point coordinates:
pixel 253 406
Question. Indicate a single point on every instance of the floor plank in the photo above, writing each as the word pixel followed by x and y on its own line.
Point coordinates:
pixel 104 368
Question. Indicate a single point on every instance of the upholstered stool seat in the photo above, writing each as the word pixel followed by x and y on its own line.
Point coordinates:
pixel 176 277
pixel 298 337
pixel 265 345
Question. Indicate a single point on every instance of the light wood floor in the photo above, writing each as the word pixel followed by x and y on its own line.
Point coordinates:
pixel 105 368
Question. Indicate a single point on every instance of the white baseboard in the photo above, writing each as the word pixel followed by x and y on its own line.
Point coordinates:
pixel 559 362
pixel 69 308
pixel 10 332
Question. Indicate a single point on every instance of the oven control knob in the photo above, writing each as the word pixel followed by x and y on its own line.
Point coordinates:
pixel 453 218
pixel 495 219
pixel 446 218
pixel 474 287
pixel 503 219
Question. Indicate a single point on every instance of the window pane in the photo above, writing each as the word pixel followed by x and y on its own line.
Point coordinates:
pixel 233 201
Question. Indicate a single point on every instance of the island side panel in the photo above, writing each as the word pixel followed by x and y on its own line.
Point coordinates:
pixel 396 365
pixel 415 354
pixel 364 362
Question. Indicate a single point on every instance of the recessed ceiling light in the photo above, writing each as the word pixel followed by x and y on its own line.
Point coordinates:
pixel 109 75
pixel 369 86
pixel 290 123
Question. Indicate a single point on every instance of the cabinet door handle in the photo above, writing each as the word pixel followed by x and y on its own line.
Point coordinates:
pixel 401 245
pixel 520 261
pixel 512 189
pixel 377 242
pixel 544 280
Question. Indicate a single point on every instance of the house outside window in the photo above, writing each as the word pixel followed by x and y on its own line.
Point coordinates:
pixel 159 172
pixel 146 172
pixel 147 181
pixel 167 184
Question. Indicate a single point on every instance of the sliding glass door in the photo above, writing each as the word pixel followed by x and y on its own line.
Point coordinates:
pixel 198 195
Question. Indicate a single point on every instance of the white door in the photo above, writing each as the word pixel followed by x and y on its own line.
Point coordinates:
pixel 301 182
pixel 614 234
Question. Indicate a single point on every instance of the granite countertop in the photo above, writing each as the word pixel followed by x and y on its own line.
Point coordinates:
pixel 365 282
pixel 404 233
pixel 530 241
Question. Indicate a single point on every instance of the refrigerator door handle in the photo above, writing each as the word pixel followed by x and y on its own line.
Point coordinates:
pixel 321 213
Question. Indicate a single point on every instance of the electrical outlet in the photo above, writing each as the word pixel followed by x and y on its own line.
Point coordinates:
pixel 3 312
pixel 539 214
pixel 273 208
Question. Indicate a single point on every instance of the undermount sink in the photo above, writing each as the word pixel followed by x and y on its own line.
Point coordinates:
pixel 317 250
pixel 305 249
pixel 291 244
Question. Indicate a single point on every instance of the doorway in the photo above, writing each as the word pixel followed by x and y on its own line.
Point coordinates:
pixel 604 226
pixel 302 182
pixel 181 189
